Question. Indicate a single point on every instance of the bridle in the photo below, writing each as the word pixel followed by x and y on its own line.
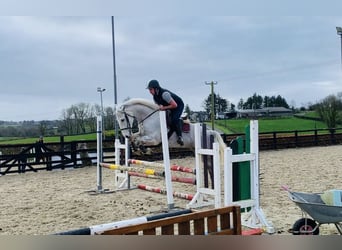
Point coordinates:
pixel 134 127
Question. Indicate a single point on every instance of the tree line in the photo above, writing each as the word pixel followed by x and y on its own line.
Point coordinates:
pixel 77 119
pixel 81 118
pixel 253 102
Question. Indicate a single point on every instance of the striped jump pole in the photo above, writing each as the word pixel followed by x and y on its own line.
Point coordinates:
pixel 98 229
pixel 148 173
pixel 164 191
pixel 187 180
pixel 183 169
pixel 130 173
pixel 156 164
pixel 145 163
pixel 139 170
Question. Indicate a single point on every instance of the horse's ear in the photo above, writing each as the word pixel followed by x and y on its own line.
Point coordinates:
pixel 119 108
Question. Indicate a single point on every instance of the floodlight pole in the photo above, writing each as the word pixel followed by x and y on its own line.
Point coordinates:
pixel 115 87
pixel 339 32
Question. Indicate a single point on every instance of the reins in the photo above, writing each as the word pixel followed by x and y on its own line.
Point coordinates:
pixel 149 115
pixel 131 127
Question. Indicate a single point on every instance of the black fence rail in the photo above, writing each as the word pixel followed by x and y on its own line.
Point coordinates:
pixel 21 158
pixel 294 139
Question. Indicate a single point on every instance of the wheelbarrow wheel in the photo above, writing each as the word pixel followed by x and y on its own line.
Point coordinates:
pixel 305 226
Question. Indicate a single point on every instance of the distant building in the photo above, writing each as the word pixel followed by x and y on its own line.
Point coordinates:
pixel 199 116
pixel 264 112
pixel 220 115
pixel 231 114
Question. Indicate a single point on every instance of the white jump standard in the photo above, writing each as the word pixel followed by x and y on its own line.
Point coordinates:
pixel 255 218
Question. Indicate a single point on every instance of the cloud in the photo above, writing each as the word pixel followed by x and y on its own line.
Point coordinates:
pixel 49 63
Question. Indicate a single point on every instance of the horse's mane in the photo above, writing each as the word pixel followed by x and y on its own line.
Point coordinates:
pixel 141 101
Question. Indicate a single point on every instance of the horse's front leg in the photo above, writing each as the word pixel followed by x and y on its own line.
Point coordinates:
pixel 140 148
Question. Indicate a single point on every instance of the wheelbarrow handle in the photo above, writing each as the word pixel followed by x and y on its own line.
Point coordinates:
pixel 292 194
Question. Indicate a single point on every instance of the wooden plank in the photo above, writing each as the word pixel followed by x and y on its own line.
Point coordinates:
pixel 237 219
pixel 149 231
pixel 168 229
pixel 225 221
pixel 212 223
pixel 185 221
pixel 184 228
pixel 199 227
pixel 133 233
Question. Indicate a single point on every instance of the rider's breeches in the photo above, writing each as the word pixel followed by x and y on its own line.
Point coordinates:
pixel 175 125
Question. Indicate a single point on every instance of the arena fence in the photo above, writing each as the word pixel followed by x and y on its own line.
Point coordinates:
pixel 21 158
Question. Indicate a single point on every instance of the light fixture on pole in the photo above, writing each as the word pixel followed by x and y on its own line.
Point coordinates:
pixel 101 90
pixel 339 32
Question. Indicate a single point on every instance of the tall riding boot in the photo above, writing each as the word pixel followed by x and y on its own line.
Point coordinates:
pixel 170 132
pixel 179 133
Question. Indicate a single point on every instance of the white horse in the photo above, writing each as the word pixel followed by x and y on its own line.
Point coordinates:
pixel 139 121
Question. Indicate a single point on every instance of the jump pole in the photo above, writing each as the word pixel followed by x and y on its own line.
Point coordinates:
pixel 163 191
pixel 187 180
pixel 183 169
pixel 155 164
pixel 98 229
pixel 146 163
pixel 166 158
pixel 148 173
pixel 140 170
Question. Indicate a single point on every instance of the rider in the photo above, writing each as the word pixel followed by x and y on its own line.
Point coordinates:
pixel 168 101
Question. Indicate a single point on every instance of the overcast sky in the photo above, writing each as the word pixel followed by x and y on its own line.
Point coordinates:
pixel 51 63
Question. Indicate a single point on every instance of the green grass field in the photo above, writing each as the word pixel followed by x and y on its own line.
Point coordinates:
pixel 235 126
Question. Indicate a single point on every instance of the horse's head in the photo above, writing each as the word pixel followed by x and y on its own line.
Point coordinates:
pixel 127 121
pixel 136 119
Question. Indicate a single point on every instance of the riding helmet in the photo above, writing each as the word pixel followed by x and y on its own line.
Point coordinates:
pixel 153 84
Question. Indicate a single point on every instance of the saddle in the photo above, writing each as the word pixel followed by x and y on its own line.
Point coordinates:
pixel 185 125
pixel 185 122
